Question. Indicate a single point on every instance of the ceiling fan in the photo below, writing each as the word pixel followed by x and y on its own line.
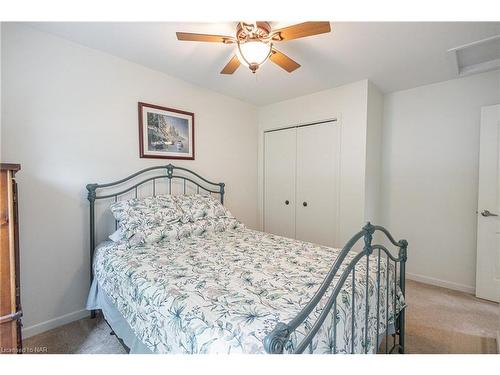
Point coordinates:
pixel 255 43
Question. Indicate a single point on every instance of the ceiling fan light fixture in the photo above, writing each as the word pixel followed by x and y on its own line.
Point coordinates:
pixel 255 43
pixel 253 53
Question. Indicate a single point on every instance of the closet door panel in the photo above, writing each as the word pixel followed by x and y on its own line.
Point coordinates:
pixel 318 152
pixel 279 182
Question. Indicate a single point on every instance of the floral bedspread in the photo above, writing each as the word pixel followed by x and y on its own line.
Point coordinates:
pixel 223 292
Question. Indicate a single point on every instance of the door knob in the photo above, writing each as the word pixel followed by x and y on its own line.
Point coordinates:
pixel 487 213
pixel 304 204
pixel 287 202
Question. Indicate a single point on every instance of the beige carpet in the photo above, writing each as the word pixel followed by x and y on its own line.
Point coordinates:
pixel 441 320
pixel 438 321
pixel 88 336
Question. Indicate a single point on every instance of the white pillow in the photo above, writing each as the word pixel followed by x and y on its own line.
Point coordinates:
pixel 144 216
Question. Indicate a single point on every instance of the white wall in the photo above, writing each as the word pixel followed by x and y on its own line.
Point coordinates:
pixel 70 118
pixel 373 170
pixel 430 174
pixel 348 104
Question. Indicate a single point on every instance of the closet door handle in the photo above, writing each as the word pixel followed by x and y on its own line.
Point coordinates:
pixel 287 202
pixel 304 204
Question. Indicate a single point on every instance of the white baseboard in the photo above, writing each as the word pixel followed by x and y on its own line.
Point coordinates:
pixel 441 283
pixel 54 323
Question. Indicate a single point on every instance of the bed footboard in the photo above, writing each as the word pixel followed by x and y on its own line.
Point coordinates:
pixel 278 338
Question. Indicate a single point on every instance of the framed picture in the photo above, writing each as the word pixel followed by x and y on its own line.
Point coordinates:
pixel 165 133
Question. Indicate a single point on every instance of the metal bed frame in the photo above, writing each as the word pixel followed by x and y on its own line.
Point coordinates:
pixel 276 341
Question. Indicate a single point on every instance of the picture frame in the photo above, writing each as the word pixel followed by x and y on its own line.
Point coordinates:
pixel 165 133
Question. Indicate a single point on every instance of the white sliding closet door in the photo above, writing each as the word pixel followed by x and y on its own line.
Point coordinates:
pixel 318 153
pixel 279 182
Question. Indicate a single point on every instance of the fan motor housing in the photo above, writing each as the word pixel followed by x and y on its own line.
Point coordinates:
pixel 259 31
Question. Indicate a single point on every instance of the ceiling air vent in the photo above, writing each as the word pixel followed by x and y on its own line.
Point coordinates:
pixel 477 57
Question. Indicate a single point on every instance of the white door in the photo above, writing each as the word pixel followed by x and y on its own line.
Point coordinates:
pixel 488 223
pixel 318 156
pixel 279 182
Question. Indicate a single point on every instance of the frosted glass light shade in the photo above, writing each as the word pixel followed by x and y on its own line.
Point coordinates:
pixel 253 52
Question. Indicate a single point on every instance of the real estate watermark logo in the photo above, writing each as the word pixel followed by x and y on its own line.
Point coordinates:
pixel 25 350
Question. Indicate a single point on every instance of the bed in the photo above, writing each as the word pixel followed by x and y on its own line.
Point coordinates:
pixel 216 286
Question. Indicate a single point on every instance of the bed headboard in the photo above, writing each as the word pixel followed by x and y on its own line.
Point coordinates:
pixel 177 180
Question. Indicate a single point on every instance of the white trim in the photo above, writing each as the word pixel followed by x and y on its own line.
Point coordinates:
pixel 54 323
pixel 441 283
pixel 478 42
pixel 299 125
pixel 483 67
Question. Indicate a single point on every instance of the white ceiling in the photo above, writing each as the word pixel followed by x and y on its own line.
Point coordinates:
pixel 394 56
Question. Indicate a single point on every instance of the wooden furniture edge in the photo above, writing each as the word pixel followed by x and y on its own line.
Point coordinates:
pixel 10 167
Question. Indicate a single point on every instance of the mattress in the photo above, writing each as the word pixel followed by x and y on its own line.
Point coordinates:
pixel 223 292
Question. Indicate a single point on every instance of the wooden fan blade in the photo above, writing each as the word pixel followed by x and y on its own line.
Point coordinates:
pixel 301 30
pixel 283 61
pixel 192 37
pixel 231 66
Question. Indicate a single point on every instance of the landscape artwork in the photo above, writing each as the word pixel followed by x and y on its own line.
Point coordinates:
pixel 165 133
